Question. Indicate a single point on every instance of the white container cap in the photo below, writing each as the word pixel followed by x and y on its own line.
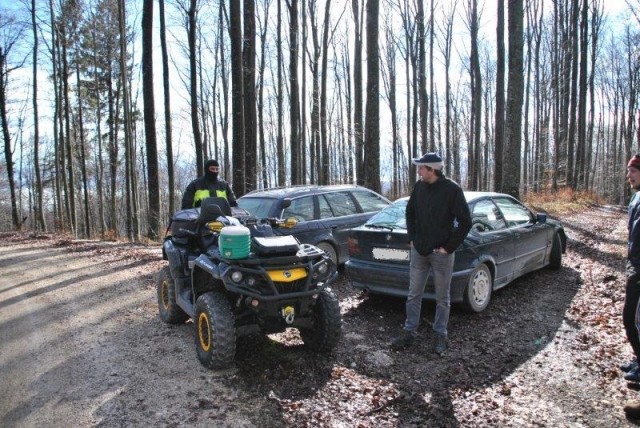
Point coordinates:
pixel 235 231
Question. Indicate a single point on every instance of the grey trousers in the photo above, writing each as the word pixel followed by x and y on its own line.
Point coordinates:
pixel 420 266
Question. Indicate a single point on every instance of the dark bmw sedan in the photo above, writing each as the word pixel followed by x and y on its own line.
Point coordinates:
pixel 506 241
pixel 325 214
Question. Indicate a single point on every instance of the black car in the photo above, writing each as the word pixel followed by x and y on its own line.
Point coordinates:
pixel 506 241
pixel 325 214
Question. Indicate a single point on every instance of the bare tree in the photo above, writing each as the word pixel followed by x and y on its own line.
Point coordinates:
pixel 167 107
pixel 515 89
pixel 372 118
pixel 39 214
pixel 499 113
pixel 249 95
pixel 237 99
pixel 294 104
pixel 153 214
pixel 10 33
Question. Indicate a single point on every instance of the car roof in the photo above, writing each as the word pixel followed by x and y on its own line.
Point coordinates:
pixel 295 191
pixel 469 195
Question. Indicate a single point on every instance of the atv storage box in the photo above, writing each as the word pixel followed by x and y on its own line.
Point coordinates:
pixel 184 225
pixel 275 245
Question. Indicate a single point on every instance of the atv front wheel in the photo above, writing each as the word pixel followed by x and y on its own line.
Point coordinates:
pixel 327 324
pixel 214 330
pixel 169 310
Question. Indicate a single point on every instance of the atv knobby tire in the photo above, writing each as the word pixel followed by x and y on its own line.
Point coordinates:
pixel 327 324
pixel 215 331
pixel 169 310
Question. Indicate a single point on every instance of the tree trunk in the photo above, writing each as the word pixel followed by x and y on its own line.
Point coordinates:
pixel 153 214
pixel 249 83
pixel 237 99
pixel 499 118
pixel 515 89
pixel 193 81
pixel 372 119
pixel 167 109
pixel 39 213
pixel 294 96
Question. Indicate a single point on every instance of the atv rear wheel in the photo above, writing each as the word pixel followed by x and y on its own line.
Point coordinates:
pixel 169 310
pixel 215 331
pixel 327 323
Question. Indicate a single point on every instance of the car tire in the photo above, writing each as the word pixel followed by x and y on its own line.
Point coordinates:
pixel 168 308
pixel 331 252
pixel 477 293
pixel 555 258
pixel 327 324
pixel 215 332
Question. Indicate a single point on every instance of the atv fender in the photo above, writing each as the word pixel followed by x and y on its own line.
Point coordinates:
pixel 203 262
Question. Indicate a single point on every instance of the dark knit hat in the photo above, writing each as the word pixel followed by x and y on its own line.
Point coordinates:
pixel 211 162
pixel 432 160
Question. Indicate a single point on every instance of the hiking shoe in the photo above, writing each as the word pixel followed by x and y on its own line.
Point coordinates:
pixel 627 367
pixel 633 375
pixel 441 344
pixel 405 340
pixel 632 409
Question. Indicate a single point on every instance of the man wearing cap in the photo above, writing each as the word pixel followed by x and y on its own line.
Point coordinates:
pixel 206 186
pixel 631 309
pixel 438 220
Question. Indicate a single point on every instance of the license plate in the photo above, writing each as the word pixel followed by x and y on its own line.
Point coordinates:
pixel 390 254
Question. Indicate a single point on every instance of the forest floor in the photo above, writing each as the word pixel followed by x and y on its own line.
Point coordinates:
pixel 82 345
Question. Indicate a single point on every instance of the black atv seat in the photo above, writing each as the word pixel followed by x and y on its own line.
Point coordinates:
pixel 212 208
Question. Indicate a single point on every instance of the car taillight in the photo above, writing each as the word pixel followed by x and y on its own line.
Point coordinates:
pixel 354 247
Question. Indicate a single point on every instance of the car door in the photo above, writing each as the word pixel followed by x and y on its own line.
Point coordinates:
pixel 309 227
pixel 340 213
pixel 490 238
pixel 530 237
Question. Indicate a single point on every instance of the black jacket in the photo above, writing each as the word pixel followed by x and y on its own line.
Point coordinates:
pixel 193 196
pixel 437 216
pixel 634 230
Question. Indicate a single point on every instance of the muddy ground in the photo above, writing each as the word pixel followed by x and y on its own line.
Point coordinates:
pixel 81 345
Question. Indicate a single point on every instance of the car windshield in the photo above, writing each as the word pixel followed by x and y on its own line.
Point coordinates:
pixel 259 207
pixel 392 216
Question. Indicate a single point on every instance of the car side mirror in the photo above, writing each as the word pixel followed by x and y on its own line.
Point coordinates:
pixel 541 218
pixel 286 203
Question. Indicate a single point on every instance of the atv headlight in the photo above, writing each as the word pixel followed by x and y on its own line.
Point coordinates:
pixel 236 276
pixel 323 268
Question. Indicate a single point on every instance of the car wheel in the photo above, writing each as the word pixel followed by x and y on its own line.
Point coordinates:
pixel 555 258
pixel 169 310
pixel 214 330
pixel 331 252
pixel 327 323
pixel 477 293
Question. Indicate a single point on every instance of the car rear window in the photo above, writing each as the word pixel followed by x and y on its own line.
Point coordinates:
pixel 301 209
pixel 369 201
pixel 341 203
pixel 259 207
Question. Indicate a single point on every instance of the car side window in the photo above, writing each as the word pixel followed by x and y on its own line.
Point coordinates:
pixel 514 213
pixel 369 201
pixel 486 217
pixel 325 209
pixel 341 203
pixel 301 209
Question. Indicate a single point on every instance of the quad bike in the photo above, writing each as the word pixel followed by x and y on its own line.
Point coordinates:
pixel 231 276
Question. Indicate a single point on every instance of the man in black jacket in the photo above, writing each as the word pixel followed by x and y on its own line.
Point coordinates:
pixel 631 309
pixel 206 186
pixel 438 220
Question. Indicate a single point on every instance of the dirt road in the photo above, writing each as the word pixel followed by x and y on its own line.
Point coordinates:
pixel 81 345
